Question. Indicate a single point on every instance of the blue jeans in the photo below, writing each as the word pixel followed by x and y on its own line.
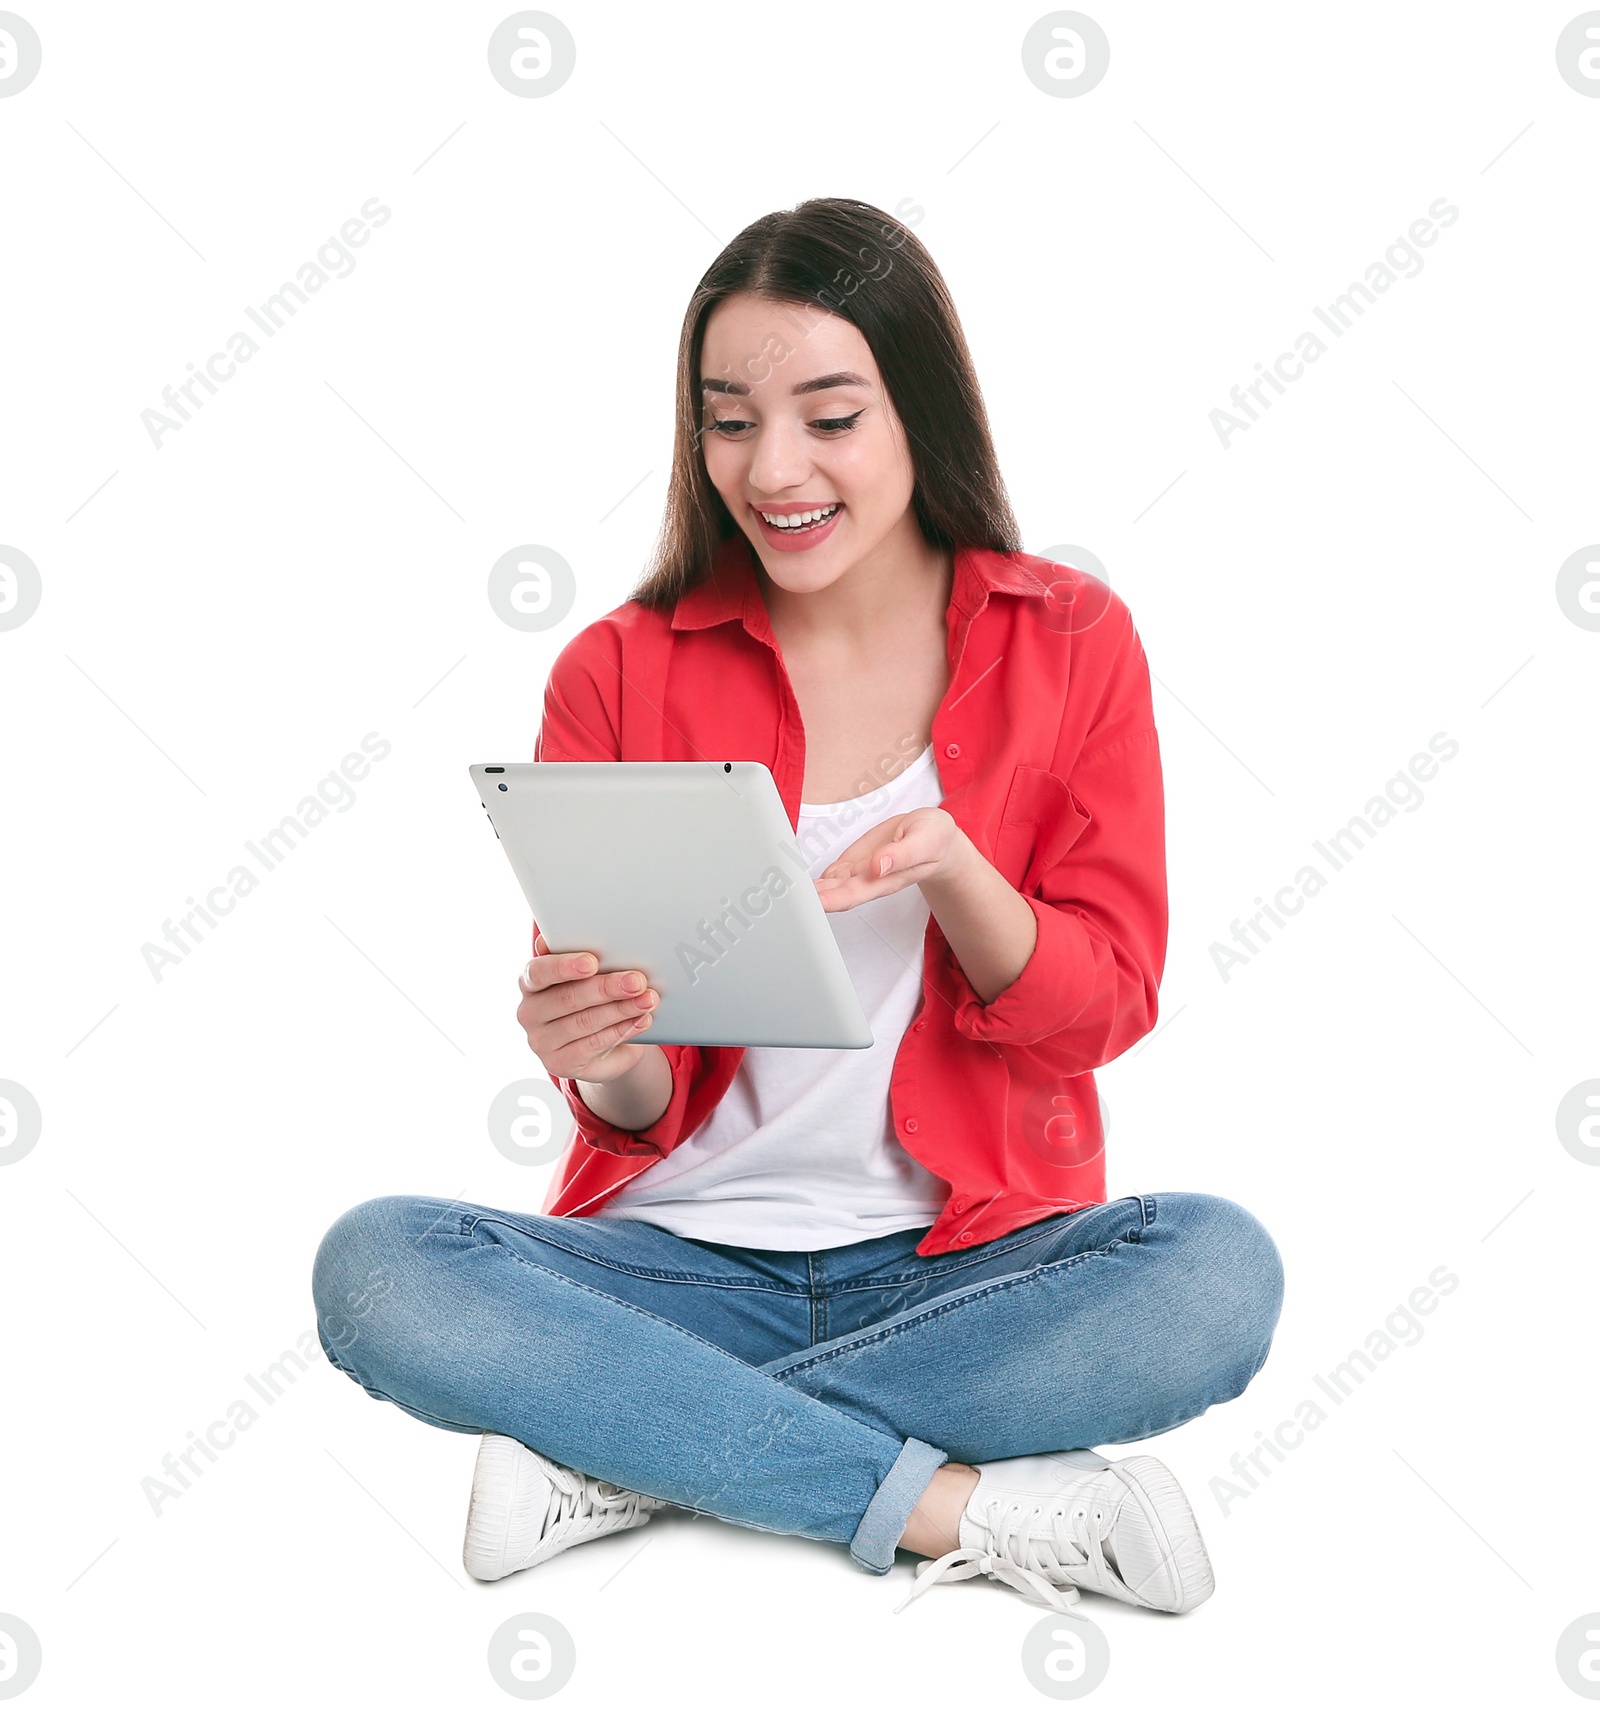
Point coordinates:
pixel 800 1392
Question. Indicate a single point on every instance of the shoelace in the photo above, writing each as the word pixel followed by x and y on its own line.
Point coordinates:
pixel 1022 1556
pixel 579 1499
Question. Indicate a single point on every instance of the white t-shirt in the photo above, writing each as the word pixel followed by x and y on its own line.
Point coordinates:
pixel 799 1152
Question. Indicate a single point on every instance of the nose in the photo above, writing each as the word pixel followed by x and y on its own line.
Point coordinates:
pixel 780 459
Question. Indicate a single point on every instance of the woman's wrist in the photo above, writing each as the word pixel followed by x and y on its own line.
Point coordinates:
pixel 989 926
pixel 636 1099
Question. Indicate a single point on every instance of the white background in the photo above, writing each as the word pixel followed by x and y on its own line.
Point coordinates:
pixel 306 561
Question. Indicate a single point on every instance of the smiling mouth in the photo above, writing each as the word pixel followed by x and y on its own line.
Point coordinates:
pixel 797 523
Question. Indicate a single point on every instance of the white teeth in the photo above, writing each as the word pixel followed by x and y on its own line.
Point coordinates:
pixel 800 520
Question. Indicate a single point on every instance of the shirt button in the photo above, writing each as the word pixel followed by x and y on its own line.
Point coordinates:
pixel 921 1023
pixel 966 1237
pixel 960 1205
pixel 910 1124
pixel 952 750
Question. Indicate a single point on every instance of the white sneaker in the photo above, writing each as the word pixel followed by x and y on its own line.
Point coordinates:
pixel 526 1509
pixel 1050 1525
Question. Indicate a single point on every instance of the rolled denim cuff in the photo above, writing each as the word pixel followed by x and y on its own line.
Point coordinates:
pixel 884 1520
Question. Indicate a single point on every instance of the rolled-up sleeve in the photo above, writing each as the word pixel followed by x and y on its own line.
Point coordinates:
pixel 659 1138
pixel 1089 988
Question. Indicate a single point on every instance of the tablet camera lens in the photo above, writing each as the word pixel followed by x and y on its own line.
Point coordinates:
pixel 727 767
pixel 504 786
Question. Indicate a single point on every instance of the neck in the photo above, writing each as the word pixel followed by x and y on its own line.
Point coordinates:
pixel 904 580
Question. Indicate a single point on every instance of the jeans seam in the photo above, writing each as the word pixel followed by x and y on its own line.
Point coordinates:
pixel 877 1281
pixel 437 1421
pixel 377 1391
pixel 996 1246
pixel 878 1335
pixel 469 1221
pixel 622 1302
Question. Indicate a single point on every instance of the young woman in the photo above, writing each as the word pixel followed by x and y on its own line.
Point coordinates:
pixel 877 1296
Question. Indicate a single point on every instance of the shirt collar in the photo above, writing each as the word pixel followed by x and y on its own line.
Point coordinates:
pixel 732 592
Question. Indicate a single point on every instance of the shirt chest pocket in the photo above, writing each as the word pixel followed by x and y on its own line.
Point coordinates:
pixel 1040 823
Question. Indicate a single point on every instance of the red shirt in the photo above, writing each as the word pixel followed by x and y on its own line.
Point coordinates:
pixel 1047 754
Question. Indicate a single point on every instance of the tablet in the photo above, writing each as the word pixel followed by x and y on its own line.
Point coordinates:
pixel 691 872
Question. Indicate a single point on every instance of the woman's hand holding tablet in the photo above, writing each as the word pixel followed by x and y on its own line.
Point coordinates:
pixel 579 1022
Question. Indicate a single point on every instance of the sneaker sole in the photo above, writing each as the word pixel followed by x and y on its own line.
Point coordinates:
pixel 1172 1521
pixel 493 1511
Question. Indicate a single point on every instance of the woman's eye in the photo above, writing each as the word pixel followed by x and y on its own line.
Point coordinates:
pixel 729 426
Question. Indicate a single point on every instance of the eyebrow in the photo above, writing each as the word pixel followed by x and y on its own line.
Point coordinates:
pixel 822 384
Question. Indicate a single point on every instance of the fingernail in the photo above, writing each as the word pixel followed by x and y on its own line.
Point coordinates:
pixel 586 966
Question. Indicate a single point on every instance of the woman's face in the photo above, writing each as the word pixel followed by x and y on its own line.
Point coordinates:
pixel 796 420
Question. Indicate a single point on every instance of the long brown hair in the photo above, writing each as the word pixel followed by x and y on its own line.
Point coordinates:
pixel 835 254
